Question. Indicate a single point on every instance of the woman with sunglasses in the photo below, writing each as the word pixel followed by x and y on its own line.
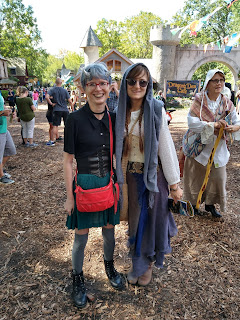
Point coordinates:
pixel 206 116
pixel 143 138
pixel 87 138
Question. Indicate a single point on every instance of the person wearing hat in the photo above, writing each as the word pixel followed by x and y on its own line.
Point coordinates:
pixel 205 118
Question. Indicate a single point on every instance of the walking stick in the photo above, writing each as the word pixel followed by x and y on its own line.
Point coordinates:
pixel 209 165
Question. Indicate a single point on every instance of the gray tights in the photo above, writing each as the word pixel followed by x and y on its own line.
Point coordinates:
pixel 79 245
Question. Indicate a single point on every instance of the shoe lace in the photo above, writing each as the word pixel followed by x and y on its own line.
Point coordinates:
pixel 110 270
pixel 79 284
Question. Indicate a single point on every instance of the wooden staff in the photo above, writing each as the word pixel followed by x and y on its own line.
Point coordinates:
pixel 209 165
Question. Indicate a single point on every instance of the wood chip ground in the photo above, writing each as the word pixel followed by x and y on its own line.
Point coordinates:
pixel 200 279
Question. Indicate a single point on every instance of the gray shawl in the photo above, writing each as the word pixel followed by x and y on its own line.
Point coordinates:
pixel 152 121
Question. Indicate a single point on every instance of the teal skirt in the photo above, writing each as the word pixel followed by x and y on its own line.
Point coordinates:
pixel 83 220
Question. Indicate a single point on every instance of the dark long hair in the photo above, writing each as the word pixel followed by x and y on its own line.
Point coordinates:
pixel 135 72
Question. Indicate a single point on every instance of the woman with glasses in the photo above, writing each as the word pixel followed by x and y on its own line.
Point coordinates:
pixel 206 116
pixel 87 139
pixel 144 144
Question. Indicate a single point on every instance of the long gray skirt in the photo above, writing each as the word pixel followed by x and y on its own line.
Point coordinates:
pixel 159 228
pixel 193 176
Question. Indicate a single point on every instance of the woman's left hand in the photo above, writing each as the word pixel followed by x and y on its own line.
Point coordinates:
pixel 176 194
pixel 232 128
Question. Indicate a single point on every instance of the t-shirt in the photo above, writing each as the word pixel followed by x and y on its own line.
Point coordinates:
pixel 3 119
pixel 11 95
pixel 35 95
pixel 60 96
pixel 112 101
pixel 24 109
pixel 84 134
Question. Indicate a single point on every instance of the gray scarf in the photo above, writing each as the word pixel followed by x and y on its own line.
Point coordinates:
pixel 152 121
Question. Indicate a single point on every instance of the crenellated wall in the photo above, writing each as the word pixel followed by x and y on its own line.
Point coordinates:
pixel 179 63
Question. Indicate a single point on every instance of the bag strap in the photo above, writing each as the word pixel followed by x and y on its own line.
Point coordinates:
pixel 111 147
pixel 111 142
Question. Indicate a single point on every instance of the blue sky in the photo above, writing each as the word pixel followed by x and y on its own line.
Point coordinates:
pixel 64 23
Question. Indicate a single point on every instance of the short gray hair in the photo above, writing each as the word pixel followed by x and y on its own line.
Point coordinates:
pixel 97 70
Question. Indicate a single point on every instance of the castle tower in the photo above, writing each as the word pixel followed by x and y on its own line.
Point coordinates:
pixel 164 52
pixel 90 44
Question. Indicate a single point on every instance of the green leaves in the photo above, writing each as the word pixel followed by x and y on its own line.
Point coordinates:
pixel 130 37
pixel 20 36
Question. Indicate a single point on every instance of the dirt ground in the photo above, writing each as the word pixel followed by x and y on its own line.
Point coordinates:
pixel 200 279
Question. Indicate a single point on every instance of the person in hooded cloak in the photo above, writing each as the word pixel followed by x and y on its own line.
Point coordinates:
pixel 205 118
pixel 143 138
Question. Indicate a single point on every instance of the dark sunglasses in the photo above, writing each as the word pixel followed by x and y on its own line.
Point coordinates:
pixel 132 82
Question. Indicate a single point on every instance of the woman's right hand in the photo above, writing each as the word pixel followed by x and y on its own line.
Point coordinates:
pixel 220 123
pixel 69 205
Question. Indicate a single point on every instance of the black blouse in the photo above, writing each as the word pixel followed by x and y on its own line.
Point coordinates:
pixel 84 134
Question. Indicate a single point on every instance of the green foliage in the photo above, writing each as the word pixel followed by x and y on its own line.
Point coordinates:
pixel 108 33
pixel 201 72
pixel 53 63
pixel 72 61
pixel 136 34
pixel 20 35
pixel 130 37
pixel 223 23
pixel 4 94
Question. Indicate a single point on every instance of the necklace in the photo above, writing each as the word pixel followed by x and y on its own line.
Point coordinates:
pixel 98 112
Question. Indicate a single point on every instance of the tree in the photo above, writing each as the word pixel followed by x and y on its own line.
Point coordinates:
pixel 50 73
pixel 223 23
pixel 72 61
pixel 20 35
pixel 135 35
pixel 130 37
pixel 108 33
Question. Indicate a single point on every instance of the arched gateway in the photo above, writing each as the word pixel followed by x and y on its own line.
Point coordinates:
pixel 173 62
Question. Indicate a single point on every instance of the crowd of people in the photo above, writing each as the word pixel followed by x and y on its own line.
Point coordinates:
pixel 146 167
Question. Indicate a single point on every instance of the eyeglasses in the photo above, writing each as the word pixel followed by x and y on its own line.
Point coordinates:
pixel 216 81
pixel 132 82
pixel 93 85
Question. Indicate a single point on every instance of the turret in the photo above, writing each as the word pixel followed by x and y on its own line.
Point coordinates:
pixel 90 44
pixel 164 53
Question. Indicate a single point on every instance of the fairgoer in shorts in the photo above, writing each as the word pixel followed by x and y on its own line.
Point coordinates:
pixel 60 97
pixel 7 147
pixel 49 116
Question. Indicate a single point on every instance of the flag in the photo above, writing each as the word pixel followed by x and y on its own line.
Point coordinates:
pixel 183 30
pixel 230 2
pixel 175 31
pixel 219 44
pixel 208 16
pixel 232 42
pixel 193 27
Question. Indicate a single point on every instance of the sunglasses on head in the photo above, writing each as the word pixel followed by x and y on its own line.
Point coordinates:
pixel 132 82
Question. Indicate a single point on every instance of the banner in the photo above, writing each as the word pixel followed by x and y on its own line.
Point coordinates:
pixel 181 88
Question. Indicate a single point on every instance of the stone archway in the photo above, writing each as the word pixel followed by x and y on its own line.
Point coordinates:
pixel 230 64
pixel 220 58
pixel 172 62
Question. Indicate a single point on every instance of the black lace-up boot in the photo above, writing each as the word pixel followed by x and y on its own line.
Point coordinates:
pixel 211 208
pixel 114 277
pixel 79 291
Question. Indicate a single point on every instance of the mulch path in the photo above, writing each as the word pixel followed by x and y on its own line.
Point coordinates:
pixel 200 279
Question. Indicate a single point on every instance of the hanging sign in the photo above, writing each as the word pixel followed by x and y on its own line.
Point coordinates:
pixel 182 88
